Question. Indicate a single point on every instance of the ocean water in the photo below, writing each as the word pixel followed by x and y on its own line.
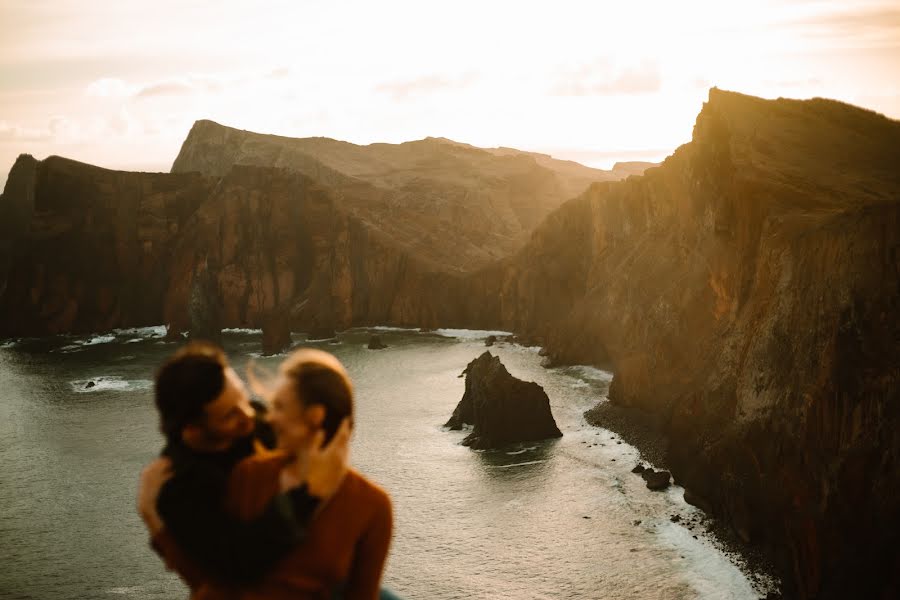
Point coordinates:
pixel 558 519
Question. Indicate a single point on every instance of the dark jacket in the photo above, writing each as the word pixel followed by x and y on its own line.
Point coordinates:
pixel 227 549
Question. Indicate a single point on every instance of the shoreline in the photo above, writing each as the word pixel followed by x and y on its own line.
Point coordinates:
pixel 643 432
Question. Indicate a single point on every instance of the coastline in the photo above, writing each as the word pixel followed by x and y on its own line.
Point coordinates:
pixel 643 432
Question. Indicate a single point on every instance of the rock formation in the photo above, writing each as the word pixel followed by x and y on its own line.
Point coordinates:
pixel 205 304
pixel 276 332
pixel 746 292
pixel 451 204
pixel 375 343
pixel 94 249
pixel 502 409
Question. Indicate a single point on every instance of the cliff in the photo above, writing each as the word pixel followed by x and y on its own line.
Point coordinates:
pixel 746 295
pixel 457 205
pixel 88 249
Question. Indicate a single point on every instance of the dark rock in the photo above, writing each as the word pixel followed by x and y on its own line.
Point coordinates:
pixel 695 499
pixel 173 334
pixel 89 385
pixel 656 480
pixel 503 409
pixel 276 333
pixel 321 333
pixel 675 518
pixel 491 340
pixel 638 468
pixel 375 343
pixel 205 305
pixel 636 522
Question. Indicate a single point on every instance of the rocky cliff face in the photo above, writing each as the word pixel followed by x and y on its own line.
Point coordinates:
pixel 84 248
pixel 746 294
pixel 87 249
pixel 458 206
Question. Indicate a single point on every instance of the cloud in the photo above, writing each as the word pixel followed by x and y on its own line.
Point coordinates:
pixel 109 87
pixel 15 133
pixel 112 88
pixel 878 24
pixel 427 84
pixel 181 87
pixel 600 79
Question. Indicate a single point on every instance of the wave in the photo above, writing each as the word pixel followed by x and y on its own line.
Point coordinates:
pixel 590 374
pixel 469 334
pixel 521 464
pixel 242 331
pixel 154 331
pixel 106 383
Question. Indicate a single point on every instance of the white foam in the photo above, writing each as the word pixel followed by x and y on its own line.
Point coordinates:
pixel 105 383
pixel 124 591
pixel 469 334
pixel 100 339
pixel 9 344
pixel 243 331
pixel 389 328
pixel 712 572
pixel 521 464
pixel 522 451
pixel 154 331
pixel 591 373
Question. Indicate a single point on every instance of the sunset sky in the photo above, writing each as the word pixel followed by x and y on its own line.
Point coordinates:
pixel 120 83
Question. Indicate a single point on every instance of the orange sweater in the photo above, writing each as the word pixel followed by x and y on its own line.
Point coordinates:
pixel 346 544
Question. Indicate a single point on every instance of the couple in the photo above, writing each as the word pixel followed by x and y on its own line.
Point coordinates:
pixel 236 519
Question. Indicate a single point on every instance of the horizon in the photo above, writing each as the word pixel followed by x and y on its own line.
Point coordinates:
pixel 120 86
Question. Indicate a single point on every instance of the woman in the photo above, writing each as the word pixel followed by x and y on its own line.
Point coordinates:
pixel 346 546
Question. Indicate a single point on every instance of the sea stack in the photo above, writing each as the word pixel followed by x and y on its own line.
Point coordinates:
pixel 503 410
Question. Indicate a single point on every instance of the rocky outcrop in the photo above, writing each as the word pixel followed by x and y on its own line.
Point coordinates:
pixel 276 332
pixel 502 409
pixel 375 343
pixel 746 292
pixel 86 249
pixel 108 249
pixel 205 304
pixel 452 204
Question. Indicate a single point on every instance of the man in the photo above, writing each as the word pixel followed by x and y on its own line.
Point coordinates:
pixel 210 426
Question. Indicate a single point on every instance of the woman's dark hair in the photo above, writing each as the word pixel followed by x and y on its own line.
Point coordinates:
pixel 319 378
pixel 189 380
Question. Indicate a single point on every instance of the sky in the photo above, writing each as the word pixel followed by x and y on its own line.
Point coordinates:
pixel 119 84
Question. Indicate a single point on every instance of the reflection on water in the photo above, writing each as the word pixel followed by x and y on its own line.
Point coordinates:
pixel 551 519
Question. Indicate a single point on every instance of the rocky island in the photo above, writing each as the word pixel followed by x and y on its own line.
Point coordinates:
pixel 502 409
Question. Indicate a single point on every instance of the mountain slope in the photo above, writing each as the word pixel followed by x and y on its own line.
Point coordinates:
pixel 746 294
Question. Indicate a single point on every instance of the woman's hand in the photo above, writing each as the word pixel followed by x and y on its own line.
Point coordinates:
pixel 328 465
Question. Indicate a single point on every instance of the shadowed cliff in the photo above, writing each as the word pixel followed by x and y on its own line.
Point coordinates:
pixel 746 294
pixel 88 249
pixel 453 204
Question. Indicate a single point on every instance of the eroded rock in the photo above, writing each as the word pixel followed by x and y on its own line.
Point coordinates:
pixel 502 409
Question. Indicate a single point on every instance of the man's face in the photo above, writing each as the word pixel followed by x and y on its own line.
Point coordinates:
pixel 228 417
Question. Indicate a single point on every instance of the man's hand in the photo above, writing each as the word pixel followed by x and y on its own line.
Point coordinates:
pixel 327 466
pixel 153 477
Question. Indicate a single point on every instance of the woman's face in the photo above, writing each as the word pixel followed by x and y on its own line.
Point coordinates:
pixel 293 423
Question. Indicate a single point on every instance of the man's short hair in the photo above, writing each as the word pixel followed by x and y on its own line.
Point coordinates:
pixel 319 378
pixel 189 380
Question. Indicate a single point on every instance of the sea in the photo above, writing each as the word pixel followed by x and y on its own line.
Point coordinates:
pixel 564 518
